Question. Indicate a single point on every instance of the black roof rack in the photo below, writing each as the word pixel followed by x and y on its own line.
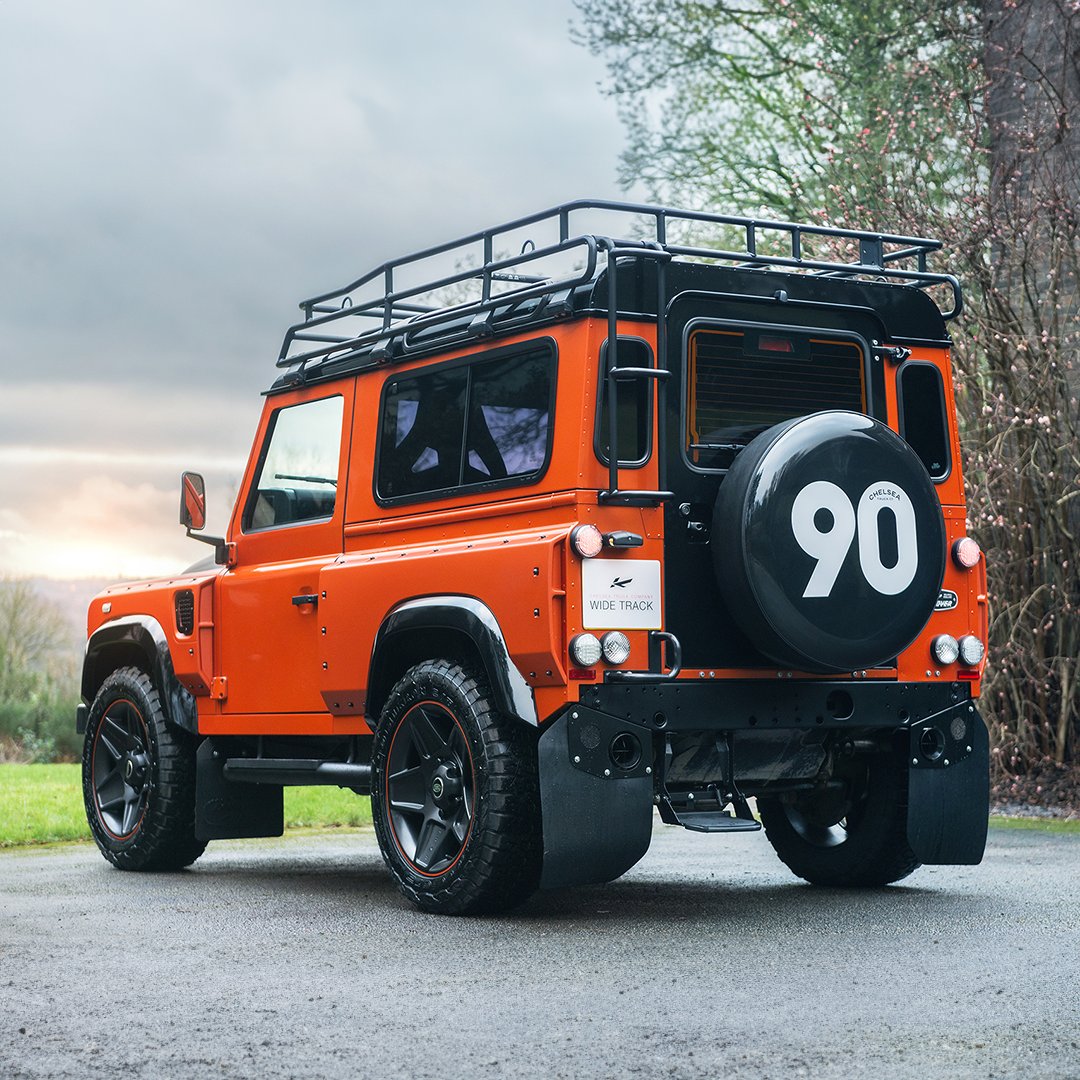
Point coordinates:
pixel 471 286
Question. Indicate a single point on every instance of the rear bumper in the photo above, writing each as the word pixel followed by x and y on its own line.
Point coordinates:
pixel 597 809
pixel 743 704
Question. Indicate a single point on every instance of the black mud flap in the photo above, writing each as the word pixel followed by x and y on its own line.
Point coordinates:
pixel 229 811
pixel 949 787
pixel 596 826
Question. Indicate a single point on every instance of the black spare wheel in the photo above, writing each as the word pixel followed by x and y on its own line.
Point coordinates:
pixel 828 542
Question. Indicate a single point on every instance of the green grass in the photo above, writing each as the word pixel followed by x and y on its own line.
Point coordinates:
pixel 1048 825
pixel 42 804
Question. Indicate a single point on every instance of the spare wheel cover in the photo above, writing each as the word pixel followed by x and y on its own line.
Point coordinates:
pixel 828 542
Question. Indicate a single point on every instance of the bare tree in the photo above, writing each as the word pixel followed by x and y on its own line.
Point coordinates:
pixel 955 119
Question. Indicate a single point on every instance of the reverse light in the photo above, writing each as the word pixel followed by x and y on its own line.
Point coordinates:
pixel 944 648
pixel 972 650
pixel 585 650
pixel 616 647
pixel 966 553
pixel 587 541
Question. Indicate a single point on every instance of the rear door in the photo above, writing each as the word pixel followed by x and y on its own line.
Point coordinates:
pixel 738 369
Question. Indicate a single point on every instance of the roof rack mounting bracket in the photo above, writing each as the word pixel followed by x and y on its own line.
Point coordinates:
pixel 481 324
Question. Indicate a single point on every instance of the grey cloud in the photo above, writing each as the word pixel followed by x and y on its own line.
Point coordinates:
pixel 178 175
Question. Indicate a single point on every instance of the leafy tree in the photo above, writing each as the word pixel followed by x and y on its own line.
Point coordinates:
pixel 37 678
pixel 952 119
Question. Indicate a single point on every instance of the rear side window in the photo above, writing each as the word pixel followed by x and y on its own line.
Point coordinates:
pixel 923 421
pixel 634 405
pixel 483 423
pixel 298 472
pixel 742 381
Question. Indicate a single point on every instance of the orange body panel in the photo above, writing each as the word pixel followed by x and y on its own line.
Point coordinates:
pixel 260 664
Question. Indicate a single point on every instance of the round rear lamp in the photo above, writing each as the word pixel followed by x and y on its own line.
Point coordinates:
pixel 945 649
pixel 585 650
pixel 966 553
pixel 616 647
pixel 972 650
pixel 586 540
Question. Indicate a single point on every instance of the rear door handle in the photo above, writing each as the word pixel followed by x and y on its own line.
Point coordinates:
pixel 305 598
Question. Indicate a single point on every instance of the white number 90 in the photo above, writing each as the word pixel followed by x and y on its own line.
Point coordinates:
pixel 830 546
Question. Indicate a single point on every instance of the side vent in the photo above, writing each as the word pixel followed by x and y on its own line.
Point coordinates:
pixel 185 612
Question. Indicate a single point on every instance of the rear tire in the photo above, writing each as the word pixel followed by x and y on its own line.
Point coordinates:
pixel 139 778
pixel 857 837
pixel 455 795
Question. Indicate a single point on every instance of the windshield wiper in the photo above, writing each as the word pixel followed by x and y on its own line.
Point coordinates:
pixel 306 479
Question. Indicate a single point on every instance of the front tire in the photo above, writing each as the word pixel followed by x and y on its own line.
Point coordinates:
pixel 455 797
pixel 856 836
pixel 139 778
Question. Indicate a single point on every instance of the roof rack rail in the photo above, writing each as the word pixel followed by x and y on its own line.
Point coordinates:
pixel 456 289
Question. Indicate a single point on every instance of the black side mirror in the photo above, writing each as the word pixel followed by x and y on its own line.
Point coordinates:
pixel 193 516
pixel 192 501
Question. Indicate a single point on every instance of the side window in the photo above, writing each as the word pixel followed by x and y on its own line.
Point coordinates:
pixel 482 423
pixel 923 421
pixel 298 473
pixel 635 414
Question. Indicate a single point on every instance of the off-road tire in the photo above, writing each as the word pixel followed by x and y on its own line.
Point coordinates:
pixel 127 724
pixel 871 850
pixel 496 864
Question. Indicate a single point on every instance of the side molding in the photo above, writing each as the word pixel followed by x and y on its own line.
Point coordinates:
pixel 118 643
pixel 463 615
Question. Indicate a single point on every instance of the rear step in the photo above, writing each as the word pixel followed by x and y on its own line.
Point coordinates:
pixel 690 815
pixel 714 821
pixel 298 772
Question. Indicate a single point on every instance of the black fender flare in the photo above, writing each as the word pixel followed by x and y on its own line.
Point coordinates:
pixel 463 615
pixel 118 643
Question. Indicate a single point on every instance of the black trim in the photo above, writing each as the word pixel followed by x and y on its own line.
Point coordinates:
pixel 139 636
pixel 601 397
pixel 720 704
pixel 941 477
pixel 522 479
pixel 460 614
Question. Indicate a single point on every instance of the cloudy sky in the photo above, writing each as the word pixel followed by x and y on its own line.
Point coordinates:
pixel 176 176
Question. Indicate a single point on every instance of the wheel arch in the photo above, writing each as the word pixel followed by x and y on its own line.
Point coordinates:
pixel 457 628
pixel 137 641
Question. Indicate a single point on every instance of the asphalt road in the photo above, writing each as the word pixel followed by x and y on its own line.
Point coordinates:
pixel 299 958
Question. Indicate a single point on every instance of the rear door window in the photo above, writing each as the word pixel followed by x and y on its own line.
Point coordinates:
pixel 741 381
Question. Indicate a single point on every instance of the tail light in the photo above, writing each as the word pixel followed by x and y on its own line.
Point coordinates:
pixel 616 647
pixel 971 649
pixel 586 540
pixel 944 648
pixel 966 553
pixel 585 650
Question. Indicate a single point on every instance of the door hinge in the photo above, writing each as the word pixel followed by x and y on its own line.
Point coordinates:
pixel 219 688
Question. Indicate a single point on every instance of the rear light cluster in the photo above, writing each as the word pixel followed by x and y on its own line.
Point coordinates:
pixel 587 649
pixel 969 650
pixel 586 540
pixel 966 553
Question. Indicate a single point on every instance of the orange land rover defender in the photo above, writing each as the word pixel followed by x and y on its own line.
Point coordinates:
pixel 559 524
